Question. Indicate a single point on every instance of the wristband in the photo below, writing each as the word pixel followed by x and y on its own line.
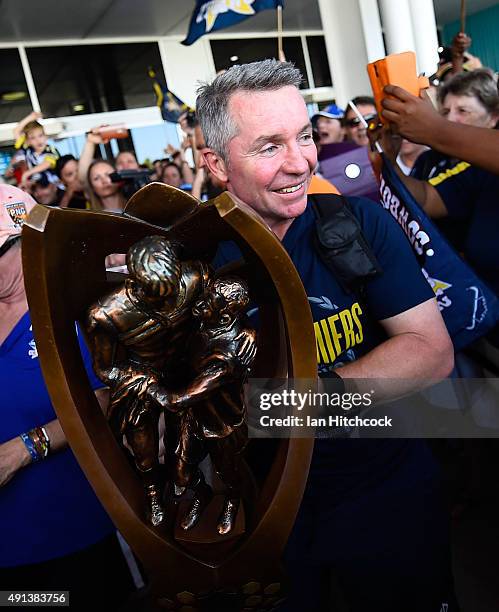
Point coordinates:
pixel 28 443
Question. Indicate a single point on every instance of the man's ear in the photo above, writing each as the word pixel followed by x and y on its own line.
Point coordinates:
pixel 215 164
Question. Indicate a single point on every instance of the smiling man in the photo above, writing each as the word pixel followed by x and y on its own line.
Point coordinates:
pixel 371 509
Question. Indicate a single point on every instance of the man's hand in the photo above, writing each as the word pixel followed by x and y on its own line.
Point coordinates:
pixel 159 396
pixel 390 143
pixel 460 44
pixel 13 456
pixel 413 117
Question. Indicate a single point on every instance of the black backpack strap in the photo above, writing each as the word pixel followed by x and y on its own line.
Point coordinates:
pixel 341 244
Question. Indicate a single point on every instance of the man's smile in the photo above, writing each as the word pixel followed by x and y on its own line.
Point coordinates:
pixel 290 189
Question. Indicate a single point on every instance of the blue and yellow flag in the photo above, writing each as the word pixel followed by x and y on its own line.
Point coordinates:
pixel 170 105
pixel 211 15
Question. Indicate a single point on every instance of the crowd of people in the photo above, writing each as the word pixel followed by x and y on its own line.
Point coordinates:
pixel 373 510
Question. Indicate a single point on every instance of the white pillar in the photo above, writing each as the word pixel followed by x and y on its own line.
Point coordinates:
pixel 346 48
pixel 29 79
pixel 371 26
pixel 425 35
pixel 185 66
pixel 397 25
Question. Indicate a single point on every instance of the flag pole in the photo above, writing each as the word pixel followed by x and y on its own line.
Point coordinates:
pixel 280 51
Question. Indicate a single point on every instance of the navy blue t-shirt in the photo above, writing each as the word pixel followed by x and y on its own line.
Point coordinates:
pixel 347 328
pixel 472 195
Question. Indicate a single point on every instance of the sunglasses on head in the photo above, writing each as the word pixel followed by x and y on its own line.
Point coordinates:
pixel 355 121
pixel 9 243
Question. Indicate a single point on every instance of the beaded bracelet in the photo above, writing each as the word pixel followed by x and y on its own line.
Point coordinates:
pixel 28 443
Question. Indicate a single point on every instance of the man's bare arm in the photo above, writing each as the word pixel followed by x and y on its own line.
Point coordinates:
pixel 418 349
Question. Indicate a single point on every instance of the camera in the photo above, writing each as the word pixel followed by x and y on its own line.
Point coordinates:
pixel 132 180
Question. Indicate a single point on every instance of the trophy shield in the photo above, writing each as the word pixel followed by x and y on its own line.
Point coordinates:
pixel 63 253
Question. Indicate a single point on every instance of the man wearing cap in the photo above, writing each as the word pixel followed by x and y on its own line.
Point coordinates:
pixel 327 123
pixel 55 533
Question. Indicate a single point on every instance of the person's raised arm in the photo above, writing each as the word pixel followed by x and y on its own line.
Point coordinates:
pixel 424 193
pixel 417 120
pixel 88 153
pixel 19 127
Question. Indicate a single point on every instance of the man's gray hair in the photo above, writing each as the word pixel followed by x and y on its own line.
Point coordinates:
pixel 212 102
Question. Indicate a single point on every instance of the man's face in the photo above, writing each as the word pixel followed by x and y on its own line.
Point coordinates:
pixel 329 130
pixel 273 156
pixel 126 161
pixel 45 194
pixel 467 110
pixel 36 139
pixel 354 129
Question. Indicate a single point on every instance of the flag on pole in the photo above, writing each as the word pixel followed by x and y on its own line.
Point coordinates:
pixel 170 105
pixel 212 15
pixel 469 308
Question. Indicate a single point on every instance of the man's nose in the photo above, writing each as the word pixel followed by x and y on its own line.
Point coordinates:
pixel 296 162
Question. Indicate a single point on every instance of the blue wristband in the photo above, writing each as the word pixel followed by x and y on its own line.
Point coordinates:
pixel 28 443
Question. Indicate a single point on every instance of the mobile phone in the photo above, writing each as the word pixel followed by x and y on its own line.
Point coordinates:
pixel 107 132
pixel 396 69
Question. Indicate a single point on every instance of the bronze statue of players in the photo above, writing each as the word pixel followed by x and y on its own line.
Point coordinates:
pixel 138 333
pixel 211 404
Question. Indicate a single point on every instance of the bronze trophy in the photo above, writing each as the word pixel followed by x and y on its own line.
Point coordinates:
pixel 170 339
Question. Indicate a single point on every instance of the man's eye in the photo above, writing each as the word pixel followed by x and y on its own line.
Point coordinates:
pixel 306 138
pixel 269 150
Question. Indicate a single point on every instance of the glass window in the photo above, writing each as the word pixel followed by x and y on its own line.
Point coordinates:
pixel 94 78
pixel 226 53
pixel 318 59
pixel 14 98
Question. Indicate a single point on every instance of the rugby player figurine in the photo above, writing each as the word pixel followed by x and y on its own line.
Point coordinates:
pixel 211 405
pixel 137 334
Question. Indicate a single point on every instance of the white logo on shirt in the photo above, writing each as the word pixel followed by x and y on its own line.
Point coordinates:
pixel 32 351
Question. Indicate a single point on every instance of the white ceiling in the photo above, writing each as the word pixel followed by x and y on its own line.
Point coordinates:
pixel 34 20
pixel 30 20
